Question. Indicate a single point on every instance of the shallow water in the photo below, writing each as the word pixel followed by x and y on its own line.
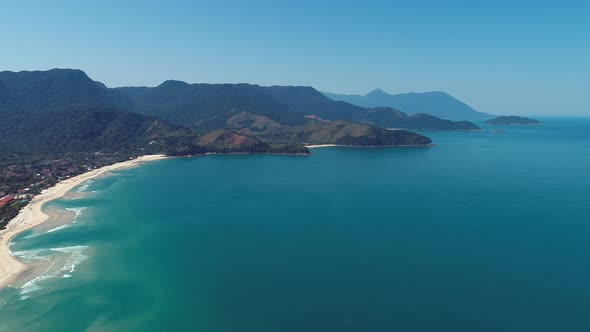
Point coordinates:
pixel 484 232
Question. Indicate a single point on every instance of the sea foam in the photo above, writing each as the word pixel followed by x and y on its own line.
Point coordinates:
pixel 58 228
pixel 78 211
pixel 28 255
pixel 75 257
pixel 84 187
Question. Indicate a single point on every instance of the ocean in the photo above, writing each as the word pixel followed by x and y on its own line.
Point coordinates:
pixel 483 232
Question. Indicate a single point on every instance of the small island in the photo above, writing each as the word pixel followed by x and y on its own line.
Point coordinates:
pixel 512 120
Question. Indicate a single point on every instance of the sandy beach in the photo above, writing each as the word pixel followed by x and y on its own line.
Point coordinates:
pixel 321 146
pixel 32 215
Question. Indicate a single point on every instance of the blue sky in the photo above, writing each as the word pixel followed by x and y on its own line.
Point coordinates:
pixel 503 57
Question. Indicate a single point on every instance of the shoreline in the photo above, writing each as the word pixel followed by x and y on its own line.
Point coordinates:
pixel 427 129
pixel 512 124
pixel 314 146
pixel 32 215
pixel 249 153
pixel 369 146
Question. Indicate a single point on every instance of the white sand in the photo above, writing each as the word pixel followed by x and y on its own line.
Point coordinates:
pixel 32 215
pixel 321 146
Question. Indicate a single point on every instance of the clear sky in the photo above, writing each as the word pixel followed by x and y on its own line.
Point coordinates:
pixel 502 57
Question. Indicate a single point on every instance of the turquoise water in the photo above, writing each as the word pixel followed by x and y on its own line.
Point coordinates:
pixel 484 232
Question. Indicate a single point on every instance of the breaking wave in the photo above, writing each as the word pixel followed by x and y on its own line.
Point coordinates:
pixel 78 211
pixel 58 228
pixel 84 187
pixel 74 254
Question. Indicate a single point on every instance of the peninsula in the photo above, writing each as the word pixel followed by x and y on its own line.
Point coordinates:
pixel 511 120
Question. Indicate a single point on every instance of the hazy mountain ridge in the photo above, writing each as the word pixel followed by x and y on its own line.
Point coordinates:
pixel 436 103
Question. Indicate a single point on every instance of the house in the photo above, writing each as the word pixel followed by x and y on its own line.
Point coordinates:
pixel 5 200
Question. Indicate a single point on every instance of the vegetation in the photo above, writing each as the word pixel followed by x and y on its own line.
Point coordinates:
pixel 225 141
pixel 93 130
pixel 319 131
pixel 383 115
pixel 204 107
pixel 207 107
pixel 346 133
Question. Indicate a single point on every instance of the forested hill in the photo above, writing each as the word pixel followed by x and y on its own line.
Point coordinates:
pixel 203 107
pixel 207 107
pixel 58 112
pixel 31 91
pixel 61 111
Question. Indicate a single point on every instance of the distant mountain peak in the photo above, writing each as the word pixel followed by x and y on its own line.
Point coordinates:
pixel 173 83
pixel 376 92
pixel 437 103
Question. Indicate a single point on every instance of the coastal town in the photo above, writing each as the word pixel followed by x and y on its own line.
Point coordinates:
pixel 20 182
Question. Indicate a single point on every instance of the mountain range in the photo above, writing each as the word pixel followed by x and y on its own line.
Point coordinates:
pixel 435 103
pixel 64 111
pixel 207 107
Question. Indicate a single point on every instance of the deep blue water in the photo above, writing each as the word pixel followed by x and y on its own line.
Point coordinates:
pixel 483 232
